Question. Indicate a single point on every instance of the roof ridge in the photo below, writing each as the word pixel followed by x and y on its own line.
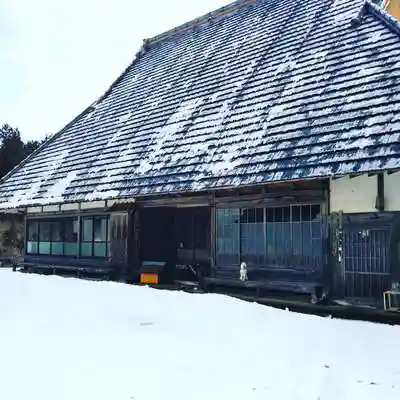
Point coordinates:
pixel 382 15
pixel 229 8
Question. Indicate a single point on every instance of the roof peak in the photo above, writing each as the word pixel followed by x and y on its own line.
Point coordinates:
pixel 382 15
pixel 222 11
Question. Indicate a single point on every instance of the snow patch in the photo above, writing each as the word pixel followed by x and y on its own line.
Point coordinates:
pixel 370 71
pixel 144 167
pixel 26 196
pixel 56 192
pixel 275 111
pixel 208 50
pixel 226 164
pixel 321 55
pixel 187 84
pixel 214 96
pixel 114 137
pixel 102 195
pixel 371 121
pixel 250 67
pixel 374 37
pixel 175 123
pixel 363 142
pixel 135 78
pixel 125 117
pixel 285 66
pixel 343 17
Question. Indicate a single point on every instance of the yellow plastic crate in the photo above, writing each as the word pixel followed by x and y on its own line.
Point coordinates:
pixel 150 279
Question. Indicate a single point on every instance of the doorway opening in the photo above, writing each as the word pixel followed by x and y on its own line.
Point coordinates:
pixel 176 242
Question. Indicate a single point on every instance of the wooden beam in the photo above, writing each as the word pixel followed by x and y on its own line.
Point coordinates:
pixel 213 238
pixel 336 177
pixel 355 175
pixel 380 197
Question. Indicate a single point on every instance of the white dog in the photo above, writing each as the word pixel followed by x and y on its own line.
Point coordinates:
pixel 243 272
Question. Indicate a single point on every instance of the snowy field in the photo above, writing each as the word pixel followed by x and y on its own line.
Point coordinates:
pixel 68 339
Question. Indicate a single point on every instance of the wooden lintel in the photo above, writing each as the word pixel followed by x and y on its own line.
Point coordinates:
pixel 176 202
pixel 274 196
pixel 351 176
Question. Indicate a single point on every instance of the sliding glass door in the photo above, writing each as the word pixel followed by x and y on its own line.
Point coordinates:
pixel 274 236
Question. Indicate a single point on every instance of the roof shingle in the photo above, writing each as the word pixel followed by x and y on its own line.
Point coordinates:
pixel 275 90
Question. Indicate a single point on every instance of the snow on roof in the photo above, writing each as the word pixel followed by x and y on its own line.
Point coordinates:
pixel 241 97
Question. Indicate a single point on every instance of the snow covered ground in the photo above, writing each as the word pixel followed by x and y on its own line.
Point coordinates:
pixel 69 339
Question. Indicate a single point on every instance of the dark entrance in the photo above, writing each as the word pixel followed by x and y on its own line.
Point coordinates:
pixel 176 239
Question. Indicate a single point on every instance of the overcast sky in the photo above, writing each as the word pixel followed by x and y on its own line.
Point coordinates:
pixel 57 57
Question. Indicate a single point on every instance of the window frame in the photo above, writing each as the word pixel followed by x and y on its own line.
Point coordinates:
pixel 284 218
pixel 62 221
pixel 92 240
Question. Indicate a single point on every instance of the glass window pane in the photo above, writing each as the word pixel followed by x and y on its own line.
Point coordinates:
pixel 70 249
pixel 315 211
pixel 286 214
pixel 270 214
pixel 33 230
pixel 32 247
pixel 70 230
pixel 87 229
pixel 297 240
pixel 100 229
pixel 294 240
pixel 278 214
pixel 259 215
pixel 57 248
pixel 86 249
pixel 228 236
pixel 247 215
pixel 56 231
pixel 271 242
pixel 305 213
pixel 296 213
pixel 44 247
pixel 45 231
pixel 252 242
pixel 100 249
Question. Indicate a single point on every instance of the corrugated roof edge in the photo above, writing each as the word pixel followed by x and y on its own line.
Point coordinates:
pixel 383 16
pixel 229 8
pixel 86 111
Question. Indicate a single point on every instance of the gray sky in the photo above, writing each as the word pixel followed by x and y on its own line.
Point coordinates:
pixel 57 57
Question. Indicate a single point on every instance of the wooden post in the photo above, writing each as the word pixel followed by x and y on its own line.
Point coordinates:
pixel 213 237
pixel 78 233
pixel 380 195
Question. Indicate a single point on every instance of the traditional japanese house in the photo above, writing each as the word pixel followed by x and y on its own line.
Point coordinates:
pixel 262 136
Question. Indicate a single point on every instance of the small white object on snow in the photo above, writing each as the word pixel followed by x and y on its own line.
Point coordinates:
pixel 243 272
